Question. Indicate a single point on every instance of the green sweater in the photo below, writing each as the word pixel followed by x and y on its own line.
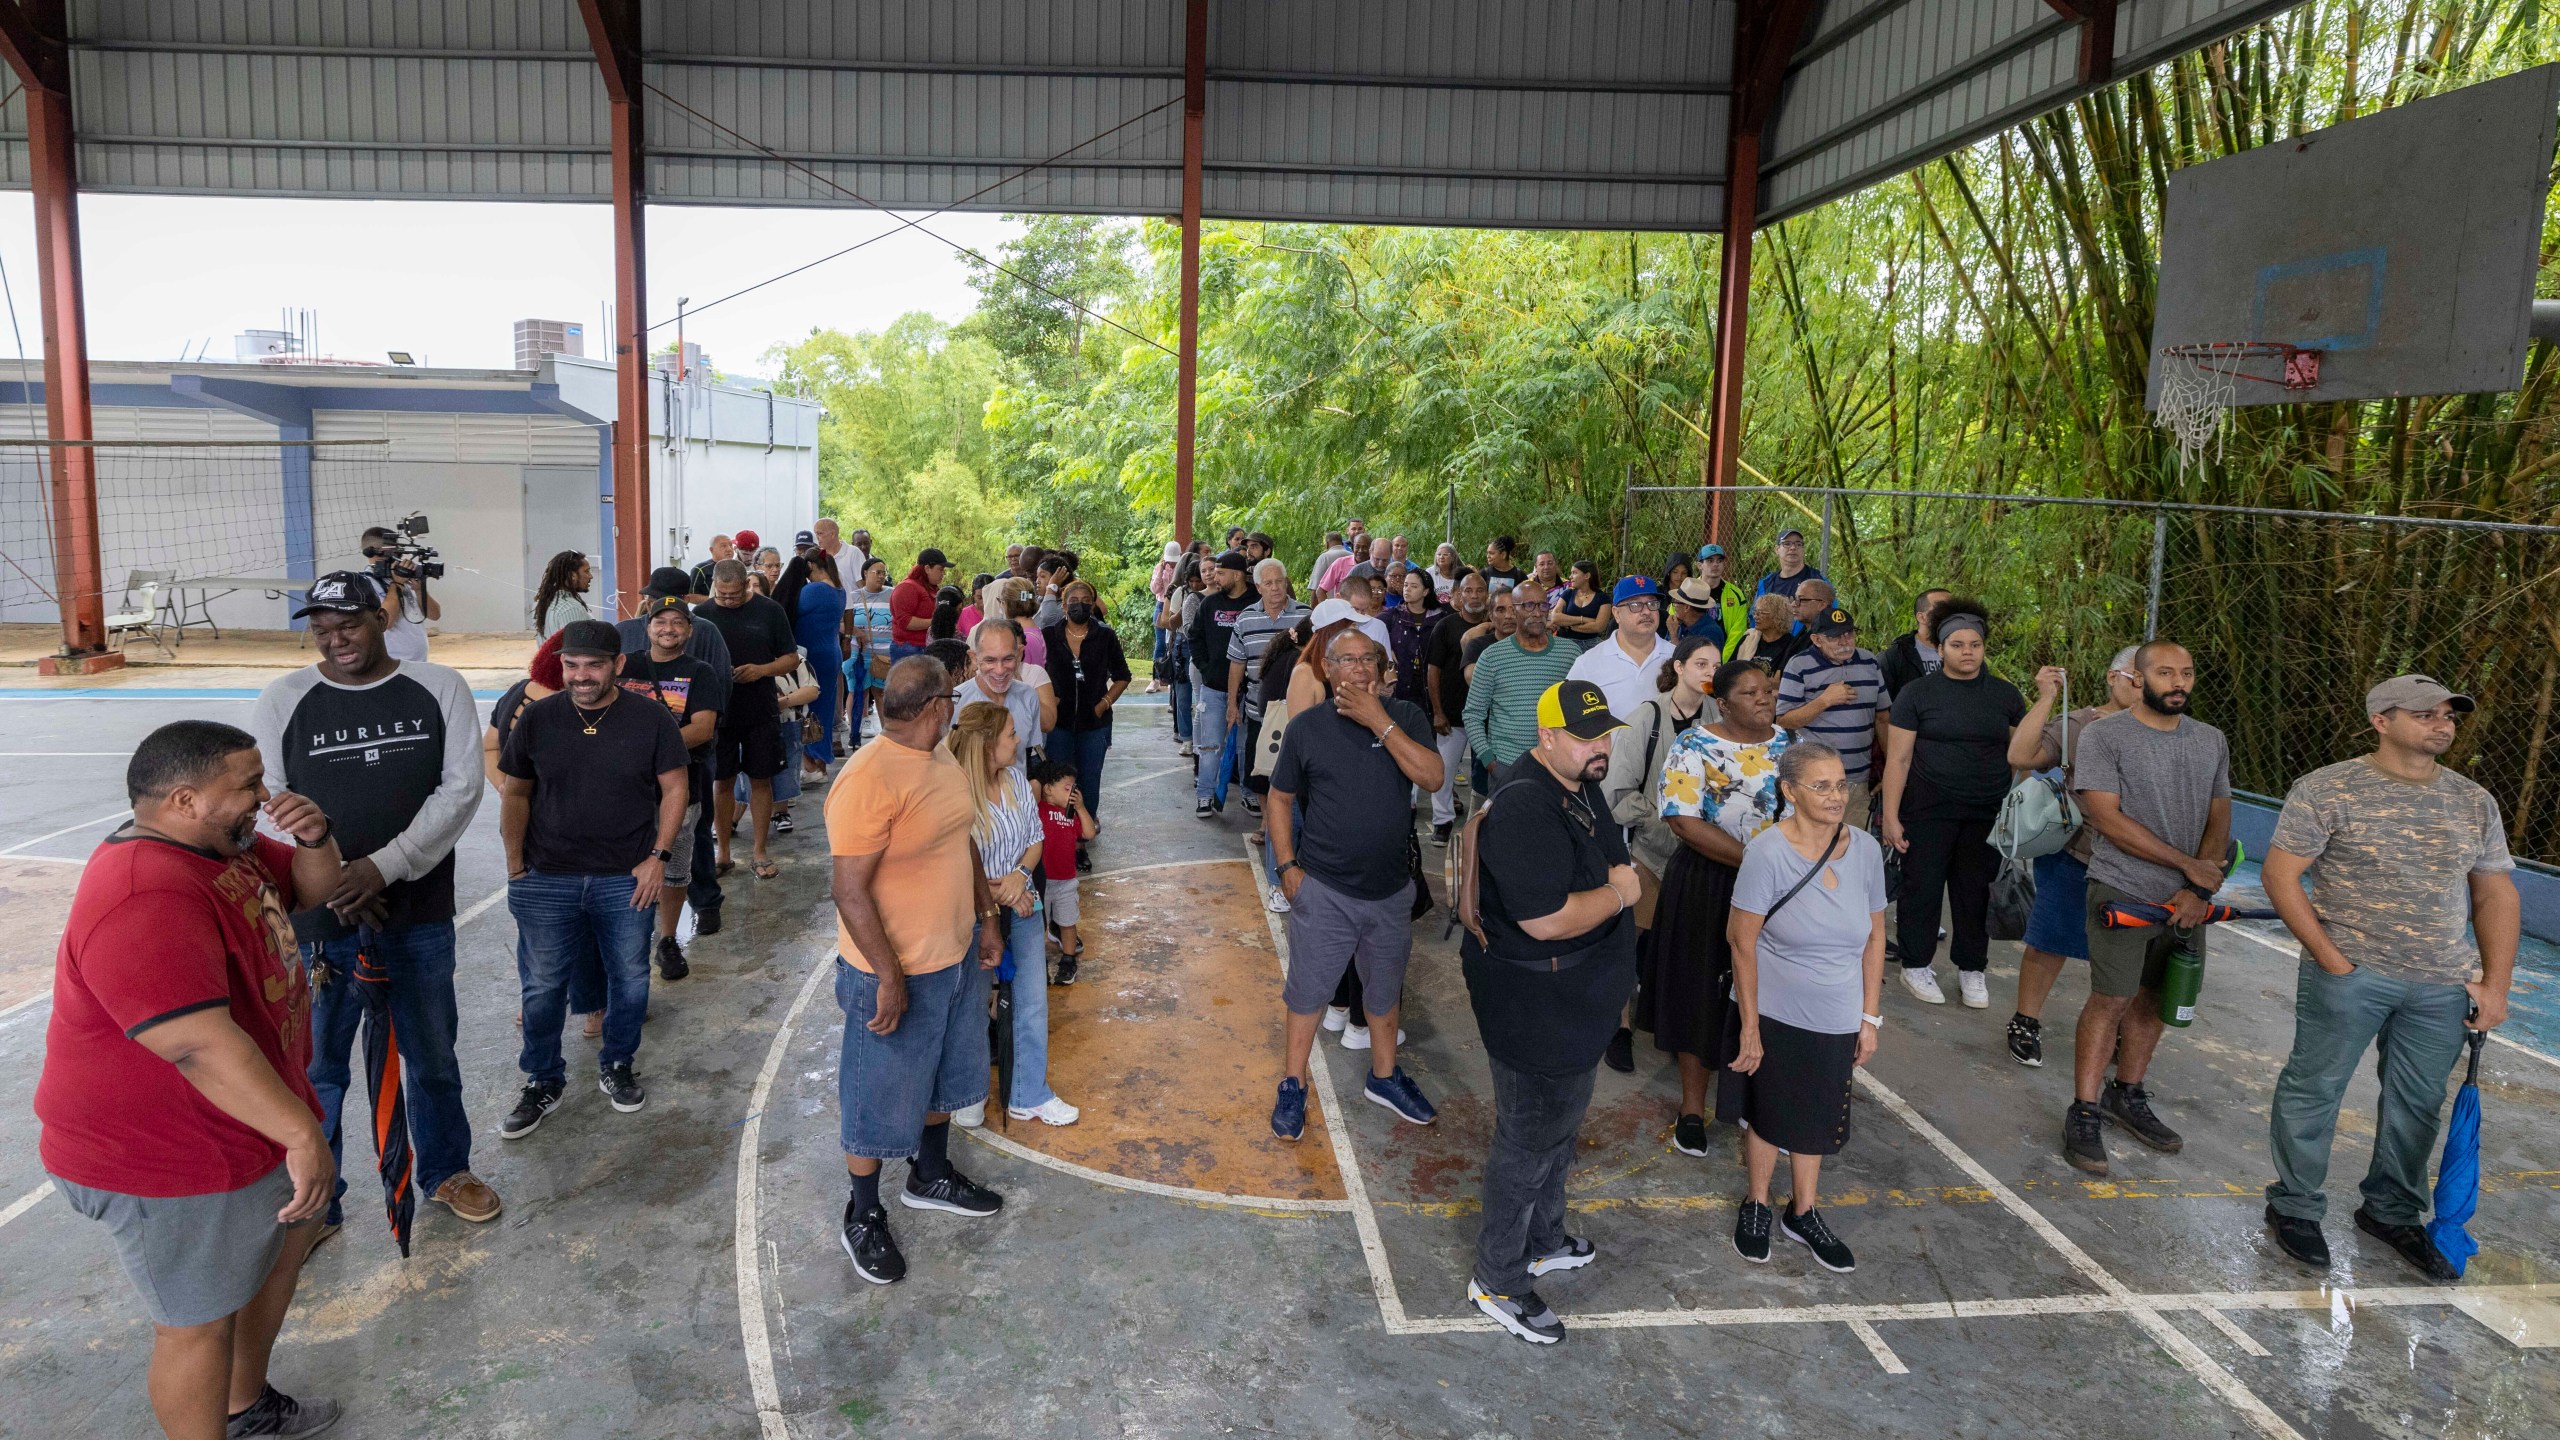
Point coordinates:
pixel 1502 700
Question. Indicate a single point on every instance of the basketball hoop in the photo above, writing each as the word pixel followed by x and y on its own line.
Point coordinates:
pixel 2201 385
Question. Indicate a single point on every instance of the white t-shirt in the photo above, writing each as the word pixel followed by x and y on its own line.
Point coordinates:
pixel 406 634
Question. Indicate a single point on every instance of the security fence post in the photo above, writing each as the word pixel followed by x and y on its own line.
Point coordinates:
pixel 2159 554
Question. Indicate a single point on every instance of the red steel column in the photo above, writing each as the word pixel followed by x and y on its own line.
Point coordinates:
pixel 613 30
pixel 31 34
pixel 1195 87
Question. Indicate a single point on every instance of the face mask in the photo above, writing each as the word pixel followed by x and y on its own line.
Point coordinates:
pixel 1080 612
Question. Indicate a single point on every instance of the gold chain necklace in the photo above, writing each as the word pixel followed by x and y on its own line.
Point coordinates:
pixel 584 722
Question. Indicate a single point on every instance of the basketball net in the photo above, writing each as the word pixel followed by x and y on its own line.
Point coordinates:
pixel 2194 400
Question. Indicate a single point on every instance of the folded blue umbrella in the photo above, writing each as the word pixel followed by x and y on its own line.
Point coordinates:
pixel 2458 1176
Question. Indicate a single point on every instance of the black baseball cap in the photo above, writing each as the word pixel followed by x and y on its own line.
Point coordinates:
pixel 668 580
pixel 342 592
pixel 932 556
pixel 1834 621
pixel 1577 708
pixel 1234 560
pixel 590 637
pixel 656 605
pixel 804 538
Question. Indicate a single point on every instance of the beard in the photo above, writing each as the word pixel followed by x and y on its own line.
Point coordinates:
pixel 244 832
pixel 1595 768
pixel 2173 703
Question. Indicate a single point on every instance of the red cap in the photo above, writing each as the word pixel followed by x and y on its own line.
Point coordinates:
pixel 749 540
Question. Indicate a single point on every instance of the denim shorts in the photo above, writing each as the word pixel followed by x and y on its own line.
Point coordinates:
pixel 935 1062
pixel 2058 923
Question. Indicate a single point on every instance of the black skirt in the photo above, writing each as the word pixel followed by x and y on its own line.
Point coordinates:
pixel 1798 1100
pixel 1687 965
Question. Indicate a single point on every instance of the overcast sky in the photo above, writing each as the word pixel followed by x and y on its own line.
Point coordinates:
pixel 446 280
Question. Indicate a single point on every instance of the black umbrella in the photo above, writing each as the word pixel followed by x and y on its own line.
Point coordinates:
pixel 390 1106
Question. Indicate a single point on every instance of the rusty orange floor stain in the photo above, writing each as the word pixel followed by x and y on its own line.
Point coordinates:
pixel 35 898
pixel 1170 1041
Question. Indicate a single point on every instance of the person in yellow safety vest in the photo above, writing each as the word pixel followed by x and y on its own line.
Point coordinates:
pixel 1709 602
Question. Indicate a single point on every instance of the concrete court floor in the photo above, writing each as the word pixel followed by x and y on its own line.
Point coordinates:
pixel 1165 1268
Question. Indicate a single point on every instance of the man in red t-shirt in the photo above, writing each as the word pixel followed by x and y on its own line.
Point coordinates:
pixel 911 605
pixel 176 1100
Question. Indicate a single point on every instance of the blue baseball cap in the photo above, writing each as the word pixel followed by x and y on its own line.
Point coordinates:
pixel 1710 552
pixel 1633 586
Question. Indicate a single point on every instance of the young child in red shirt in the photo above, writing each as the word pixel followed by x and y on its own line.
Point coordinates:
pixel 1064 822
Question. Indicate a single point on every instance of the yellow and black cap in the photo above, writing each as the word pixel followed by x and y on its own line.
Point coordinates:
pixel 1577 708
pixel 653 606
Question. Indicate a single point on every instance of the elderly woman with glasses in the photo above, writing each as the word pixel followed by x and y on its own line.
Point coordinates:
pixel 1807 930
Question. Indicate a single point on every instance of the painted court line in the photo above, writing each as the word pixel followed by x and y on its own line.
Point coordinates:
pixel 2205 1368
pixel 2248 1344
pixel 751 1322
pixel 1183 769
pixel 26 1202
pixel 1020 1151
pixel 1874 1342
pixel 65 830
pixel 2292 950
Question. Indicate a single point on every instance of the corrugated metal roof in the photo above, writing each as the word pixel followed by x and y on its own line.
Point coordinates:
pixel 1606 114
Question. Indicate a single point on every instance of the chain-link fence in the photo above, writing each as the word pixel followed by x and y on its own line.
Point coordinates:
pixel 2291 614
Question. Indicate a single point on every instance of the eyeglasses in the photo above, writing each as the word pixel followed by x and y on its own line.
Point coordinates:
pixel 1364 660
pixel 1823 787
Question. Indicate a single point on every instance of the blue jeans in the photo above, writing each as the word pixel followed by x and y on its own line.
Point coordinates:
pixel 825 666
pixel 1026 944
pixel 857 684
pixel 1087 748
pixel 560 916
pixel 900 650
pixel 2417 1025
pixel 1209 735
pixel 1178 698
pixel 425 1019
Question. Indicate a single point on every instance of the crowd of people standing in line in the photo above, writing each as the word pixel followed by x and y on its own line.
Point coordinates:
pixel 1681 805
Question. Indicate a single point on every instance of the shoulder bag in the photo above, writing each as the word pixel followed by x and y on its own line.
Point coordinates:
pixel 2038 816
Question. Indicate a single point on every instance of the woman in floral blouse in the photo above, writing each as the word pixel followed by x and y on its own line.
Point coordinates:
pixel 1719 789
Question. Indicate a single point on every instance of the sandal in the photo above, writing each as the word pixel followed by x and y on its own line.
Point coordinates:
pixel 724 867
pixel 767 869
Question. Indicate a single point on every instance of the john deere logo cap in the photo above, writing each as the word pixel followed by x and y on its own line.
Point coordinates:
pixel 1577 708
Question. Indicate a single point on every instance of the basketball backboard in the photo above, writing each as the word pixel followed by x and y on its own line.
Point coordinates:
pixel 2400 247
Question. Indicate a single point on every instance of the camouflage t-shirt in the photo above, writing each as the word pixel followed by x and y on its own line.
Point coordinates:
pixel 2390 864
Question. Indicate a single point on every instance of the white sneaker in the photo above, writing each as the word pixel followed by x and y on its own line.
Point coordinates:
pixel 971 1118
pixel 1052 1111
pixel 1336 1017
pixel 1356 1037
pixel 1187 751
pixel 1924 984
pixel 1975 989
pixel 1278 904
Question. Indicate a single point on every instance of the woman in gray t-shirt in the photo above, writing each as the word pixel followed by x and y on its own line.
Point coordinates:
pixel 1807 928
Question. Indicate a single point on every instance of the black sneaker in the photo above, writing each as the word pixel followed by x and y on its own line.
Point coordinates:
pixel 2082 1143
pixel 706 922
pixel 1524 1314
pixel 1809 1231
pixel 2299 1238
pixel 276 1413
pixel 622 1087
pixel 1751 1232
pixel 1689 1137
pixel 537 1101
pixel 1202 810
pixel 2412 1243
pixel 1066 970
pixel 868 1244
pixel 1575 1253
pixel 782 822
pixel 671 965
pixel 1252 803
pixel 2130 1107
pixel 1440 833
pixel 1621 1054
pixel 954 1192
pixel 2026 1041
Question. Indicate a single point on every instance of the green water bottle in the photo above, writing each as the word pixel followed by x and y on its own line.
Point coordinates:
pixel 2181 981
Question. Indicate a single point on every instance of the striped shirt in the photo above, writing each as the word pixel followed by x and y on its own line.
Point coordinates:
pixel 1016 829
pixel 1850 727
pixel 1502 699
pixel 1255 630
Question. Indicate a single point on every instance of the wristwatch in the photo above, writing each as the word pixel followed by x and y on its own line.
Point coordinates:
pixel 1287 865
pixel 326 835
pixel 1875 1020
pixel 665 857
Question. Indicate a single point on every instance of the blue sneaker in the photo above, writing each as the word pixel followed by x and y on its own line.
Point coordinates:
pixel 1289 1112
pixel 1401 1095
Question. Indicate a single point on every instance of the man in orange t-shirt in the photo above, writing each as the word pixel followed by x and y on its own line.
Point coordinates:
pixel 911 898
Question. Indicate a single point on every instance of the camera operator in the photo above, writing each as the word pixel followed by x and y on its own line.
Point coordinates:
pixel 406 601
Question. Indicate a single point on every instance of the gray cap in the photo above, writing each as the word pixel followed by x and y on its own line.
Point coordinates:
pixel 2413 693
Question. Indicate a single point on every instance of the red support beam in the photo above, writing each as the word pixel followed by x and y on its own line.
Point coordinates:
pixel 1764 36
pixel 31 35
pixel 613 30
pixel 1195 92
pixel 2097 21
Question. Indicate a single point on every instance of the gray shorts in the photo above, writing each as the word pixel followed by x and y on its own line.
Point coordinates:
pixel 194 1258
pixel 2125 962
pixel 1330 931
pixel 680 869
pixel 1063 909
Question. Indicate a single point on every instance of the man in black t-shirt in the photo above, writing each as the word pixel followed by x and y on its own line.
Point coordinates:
pixel 594 800
pixel 702 869
pixel 389 751
pixel 1548 979
pixel 1341 858
pixel 1444 658
pixel 1228 594
pixel 668 676
pixel 749 741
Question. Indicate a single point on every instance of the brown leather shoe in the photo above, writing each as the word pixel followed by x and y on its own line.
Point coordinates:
pixel 468 1196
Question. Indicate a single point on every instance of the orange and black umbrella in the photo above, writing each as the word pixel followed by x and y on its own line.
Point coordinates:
pixel 390 1106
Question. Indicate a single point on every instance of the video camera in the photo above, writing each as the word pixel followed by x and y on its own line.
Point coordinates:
pixel 406 556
